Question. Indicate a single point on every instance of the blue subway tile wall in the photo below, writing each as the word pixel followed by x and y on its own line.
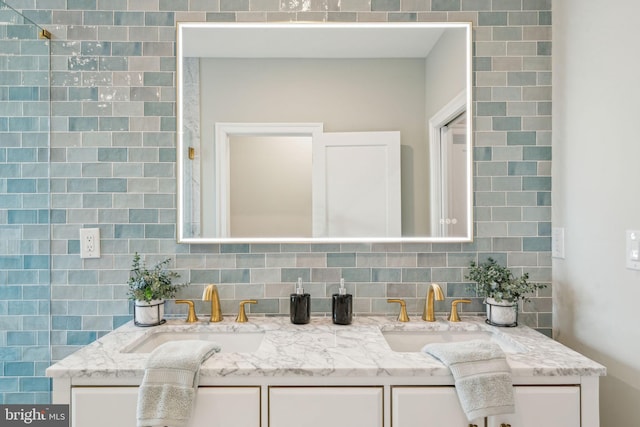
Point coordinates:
pixel 113 166
pixel 24 210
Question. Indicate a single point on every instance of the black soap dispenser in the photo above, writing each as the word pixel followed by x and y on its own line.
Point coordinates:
pixel 342 306
pixel 300 306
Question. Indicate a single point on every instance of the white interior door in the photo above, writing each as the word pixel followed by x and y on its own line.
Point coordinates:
pixel 356 184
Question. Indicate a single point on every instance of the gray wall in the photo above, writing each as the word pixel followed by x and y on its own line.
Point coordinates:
pixel 113 164
pixel 596 152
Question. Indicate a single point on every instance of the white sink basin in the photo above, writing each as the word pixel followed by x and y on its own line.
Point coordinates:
pixel 231 342
pixel 413 341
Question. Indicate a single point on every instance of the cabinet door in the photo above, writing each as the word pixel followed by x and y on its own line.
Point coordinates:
pixel 325 406
pixel 116 406
pixel 543 406
pixel 427 407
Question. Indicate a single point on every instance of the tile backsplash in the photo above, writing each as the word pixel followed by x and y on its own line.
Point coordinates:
pixel 112 166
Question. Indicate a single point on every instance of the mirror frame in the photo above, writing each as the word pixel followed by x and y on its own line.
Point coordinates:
pixel 235 30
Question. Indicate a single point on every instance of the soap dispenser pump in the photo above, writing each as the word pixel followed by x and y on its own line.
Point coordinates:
pixel 342 306
pixel 300 306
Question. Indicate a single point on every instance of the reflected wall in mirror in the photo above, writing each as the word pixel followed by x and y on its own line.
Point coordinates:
pixel 408 79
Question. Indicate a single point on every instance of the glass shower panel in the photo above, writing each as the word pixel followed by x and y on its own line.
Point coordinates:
pixel 24 210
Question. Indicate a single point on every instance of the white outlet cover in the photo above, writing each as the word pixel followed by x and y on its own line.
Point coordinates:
pixel 89 243
pixel 632 250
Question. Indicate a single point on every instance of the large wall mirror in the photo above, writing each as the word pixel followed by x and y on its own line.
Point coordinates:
pixel 324 132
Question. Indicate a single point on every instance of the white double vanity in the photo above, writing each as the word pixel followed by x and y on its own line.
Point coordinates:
pixel 371 373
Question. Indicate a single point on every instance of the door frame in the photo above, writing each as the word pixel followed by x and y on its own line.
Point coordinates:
pixel 223 131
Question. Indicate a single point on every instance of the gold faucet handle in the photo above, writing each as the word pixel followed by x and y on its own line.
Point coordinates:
pixel 242 316
pixel 453 317
pixel 402 317
pixel 191 316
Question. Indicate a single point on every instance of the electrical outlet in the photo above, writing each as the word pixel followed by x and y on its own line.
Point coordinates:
pixel 89 243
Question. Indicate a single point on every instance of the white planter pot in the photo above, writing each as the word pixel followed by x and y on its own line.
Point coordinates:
pixel 148 313
pixel 504 313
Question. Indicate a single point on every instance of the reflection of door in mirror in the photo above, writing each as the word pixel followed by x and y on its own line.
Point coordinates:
pixel 356 184
pixel 293 180
pixel 453 136
pixel 259 180
pixel 449 172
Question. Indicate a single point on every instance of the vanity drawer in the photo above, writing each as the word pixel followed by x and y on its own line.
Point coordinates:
pixel 116 406
pixel 325 406
pixel 427 406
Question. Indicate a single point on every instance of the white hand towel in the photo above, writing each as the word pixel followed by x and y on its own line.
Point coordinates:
pixel 482 376
pixel 170 382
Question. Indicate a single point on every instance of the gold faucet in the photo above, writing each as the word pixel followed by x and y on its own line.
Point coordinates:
pixel 211 294
pixel 428 314
pixel 191 317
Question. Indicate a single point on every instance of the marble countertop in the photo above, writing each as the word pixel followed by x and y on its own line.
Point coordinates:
pixel 322 349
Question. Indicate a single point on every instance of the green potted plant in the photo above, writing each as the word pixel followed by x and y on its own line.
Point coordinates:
pixel 149 288
pixel 502 290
